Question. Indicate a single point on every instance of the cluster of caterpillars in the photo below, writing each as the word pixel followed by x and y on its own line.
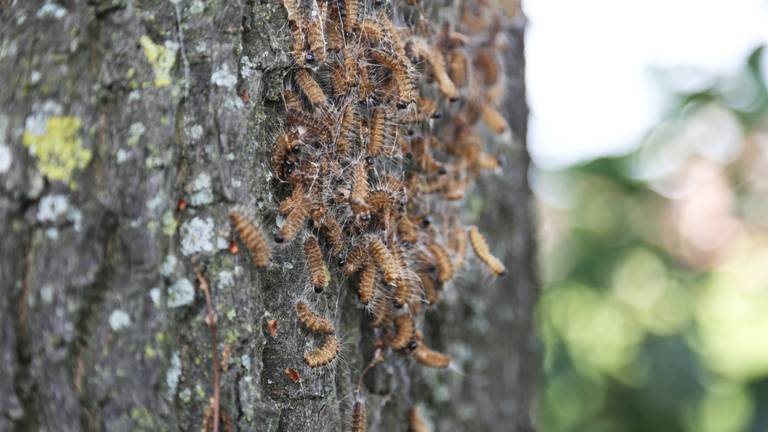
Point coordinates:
pixel 386 120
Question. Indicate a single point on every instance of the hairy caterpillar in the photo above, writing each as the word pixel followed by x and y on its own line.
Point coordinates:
pixel 430 290
pixel 324 354
pixel 430 358
pixel 350 126
pixel 405 86
pixel 380 131
pixel 316 264
pixel 457 67
pixel 494 119
pixel 333 34
pixel 310 88
pixel 406 231
pixel 293 223
pixel 298 41
pixel 381 312
pixel 359 417
pixel 484 253
pixel 312 320
pixel 355 258
pixel 294 200
pixel 383 257
pixel 334 235
pixel 442 262
pixel 252 238
pixel 415 422
pixel 365 288
pixel 404 331
pixel 487 66
pixel 352 15
pixel 316 41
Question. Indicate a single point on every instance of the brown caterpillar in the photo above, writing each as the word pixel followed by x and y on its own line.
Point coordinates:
pixel 381 313
pixel 313 320
pixel 252 239
pixel 334 37
pixel 350 127
pixel 352 15
pixel 297 198
pixel 430 358
pixel 383 257
pixel 404 331
pixel 442 262
pixel 316 41
pixel 371 30
pixel 494 119
pixel 317 127
pixel 334 235
pixel 293 7
pixel 339 81
pixel 484 253
pixel 365 288
pixel 355 258
pixel 293 223
pixel 431 293
pixel 405 86
pixel 406 231
pixel 316 264
pixel 487 66
pixel 444 83
pixel 366 88
pixel 324 354
pixel 381 131
pixel 359 417
pixel 285 144
pixel 291 100
pixel 298 41
pixel 457 67
pixel 359 193
pixel 458 241
pixel 310 88
pixel 402 292
pixel 415 422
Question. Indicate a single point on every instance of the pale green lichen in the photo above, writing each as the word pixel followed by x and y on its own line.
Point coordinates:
pixel 161 58
pixel 58 148
pixel 169 223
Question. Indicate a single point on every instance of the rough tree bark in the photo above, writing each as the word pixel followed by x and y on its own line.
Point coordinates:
pixel 111 111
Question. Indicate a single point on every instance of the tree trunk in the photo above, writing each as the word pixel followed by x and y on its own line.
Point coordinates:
pixel 128 130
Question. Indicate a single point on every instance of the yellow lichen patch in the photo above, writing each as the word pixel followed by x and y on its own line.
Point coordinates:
pixel 161 58
pixel 59 150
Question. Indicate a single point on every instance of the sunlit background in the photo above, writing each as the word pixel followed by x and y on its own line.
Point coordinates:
pixel 649 132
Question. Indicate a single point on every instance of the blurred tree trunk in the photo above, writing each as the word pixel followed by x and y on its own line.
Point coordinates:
pixel 111 112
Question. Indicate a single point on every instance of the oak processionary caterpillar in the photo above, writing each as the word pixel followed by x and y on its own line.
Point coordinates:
pixel 385 127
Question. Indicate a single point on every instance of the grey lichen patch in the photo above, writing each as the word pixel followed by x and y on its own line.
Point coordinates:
pixel 51 10
pixel 168 266
pixel 52 207
pixel 135 133
pixel 119 319
pixel 173 374
pixel 198 236
pixel 46 294
pixel 225 280
pixel 196 132
pixel 201 190
pixel 181 293
pixel 156 296
pixel 224 78
pixel 6 158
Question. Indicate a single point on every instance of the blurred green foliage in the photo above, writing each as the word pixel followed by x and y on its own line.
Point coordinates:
pixel 654 313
